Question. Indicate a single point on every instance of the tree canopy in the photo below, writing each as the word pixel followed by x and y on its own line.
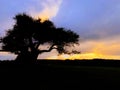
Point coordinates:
pixel 28 34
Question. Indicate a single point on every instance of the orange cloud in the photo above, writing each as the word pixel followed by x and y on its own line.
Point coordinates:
pixel 107 48
pixel 104 49
pixel 49 10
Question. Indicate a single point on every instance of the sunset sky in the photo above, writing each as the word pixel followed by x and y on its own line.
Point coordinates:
pixel 96 21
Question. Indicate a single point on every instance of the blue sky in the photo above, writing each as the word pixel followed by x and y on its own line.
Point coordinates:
pixel 96 21
pixel 89 17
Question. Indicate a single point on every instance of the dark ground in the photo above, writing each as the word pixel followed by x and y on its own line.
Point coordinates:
pixel 59 75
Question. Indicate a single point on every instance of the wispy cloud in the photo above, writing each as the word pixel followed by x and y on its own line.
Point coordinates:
pixel 49 9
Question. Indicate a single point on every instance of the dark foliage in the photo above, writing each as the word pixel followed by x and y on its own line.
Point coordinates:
pixel 28 34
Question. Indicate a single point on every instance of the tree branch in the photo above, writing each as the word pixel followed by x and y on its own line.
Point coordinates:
pixel 50 49
pixel 4 51
pixel 37 45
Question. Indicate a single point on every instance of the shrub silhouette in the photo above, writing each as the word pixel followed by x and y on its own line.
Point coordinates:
pixel 28 34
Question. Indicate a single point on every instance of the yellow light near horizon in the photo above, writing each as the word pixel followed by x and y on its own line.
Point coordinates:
pixel 84 56
pixel 75 56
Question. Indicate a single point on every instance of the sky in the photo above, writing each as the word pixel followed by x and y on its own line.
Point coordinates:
pixel 96 21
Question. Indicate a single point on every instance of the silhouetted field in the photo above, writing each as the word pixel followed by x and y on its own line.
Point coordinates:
pixel 57 74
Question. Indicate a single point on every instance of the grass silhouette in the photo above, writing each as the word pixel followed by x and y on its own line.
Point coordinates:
pixel 58 74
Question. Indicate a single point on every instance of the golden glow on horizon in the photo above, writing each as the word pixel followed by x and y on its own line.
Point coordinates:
pixel 90 50
pixel 84 56
pixel 104 49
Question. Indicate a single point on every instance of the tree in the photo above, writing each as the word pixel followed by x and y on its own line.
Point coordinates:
pixel 28 34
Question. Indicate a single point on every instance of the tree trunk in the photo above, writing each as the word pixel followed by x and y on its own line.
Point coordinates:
pixel 27 57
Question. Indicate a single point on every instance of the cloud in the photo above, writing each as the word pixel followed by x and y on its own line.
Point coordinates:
pixel 101 48
pixel 45 9
pixel 49 9
pixel 108 46
pixel 98 26
pixel 104 49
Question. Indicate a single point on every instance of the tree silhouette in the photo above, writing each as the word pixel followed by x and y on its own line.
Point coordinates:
pixel 28 34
